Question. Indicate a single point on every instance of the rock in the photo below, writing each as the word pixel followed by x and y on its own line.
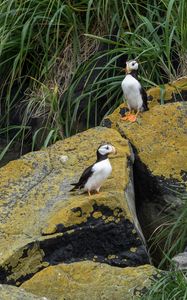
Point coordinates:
pixel 42 224
pixel 159 141
pixel 89 280
pixel 180 260
pixel 8 292
pixel 175 91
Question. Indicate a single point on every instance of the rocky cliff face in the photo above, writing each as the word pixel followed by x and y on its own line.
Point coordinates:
pixel 8 292
pixel 43 225
pixel 159 142
pixel 60 245
pixel 89 280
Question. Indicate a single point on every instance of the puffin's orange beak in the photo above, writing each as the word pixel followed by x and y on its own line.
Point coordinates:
pixel 114 150
pixel 127 70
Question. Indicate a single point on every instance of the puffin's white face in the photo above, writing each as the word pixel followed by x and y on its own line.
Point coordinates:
pixel 106 149
pixel 131 65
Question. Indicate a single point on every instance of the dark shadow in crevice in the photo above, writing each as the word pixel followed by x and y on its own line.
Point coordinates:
pixel 154 196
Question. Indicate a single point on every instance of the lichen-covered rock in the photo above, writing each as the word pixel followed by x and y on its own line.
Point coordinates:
pixel 42 224
pixel 175 91
pixel 159 140
pixel 8 292
pixel 172 92
pixel 89 280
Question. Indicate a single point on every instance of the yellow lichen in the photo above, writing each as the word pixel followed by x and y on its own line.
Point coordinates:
pixel 110 219
pixel 159 138
pixel 35 191
pixel 22 265
pixel 133 249
pixel 111 256
pixel 89 280
pixel 117 220
pixel 97 214
pixel 174 87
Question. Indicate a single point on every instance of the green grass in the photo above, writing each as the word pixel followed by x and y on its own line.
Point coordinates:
pixel 172 235
pixel 169 286
pixel 48 49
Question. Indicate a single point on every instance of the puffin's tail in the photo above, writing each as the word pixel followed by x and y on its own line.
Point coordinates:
pixel 145 106
pixel 74 188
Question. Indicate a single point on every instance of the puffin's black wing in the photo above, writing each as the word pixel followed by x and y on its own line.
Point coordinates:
pixel 144 98
pixel 83 179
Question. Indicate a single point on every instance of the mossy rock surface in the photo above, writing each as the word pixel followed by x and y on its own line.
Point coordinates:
pixel 175 91
pixel 89 280
pixel 42 224
pixel 159 140
pixel 8 292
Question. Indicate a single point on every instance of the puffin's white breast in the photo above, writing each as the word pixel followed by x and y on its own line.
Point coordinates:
pixel 101 170
pixel 131 89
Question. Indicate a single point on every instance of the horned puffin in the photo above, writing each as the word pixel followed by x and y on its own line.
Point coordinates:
pixel 133 91
pixel 93 177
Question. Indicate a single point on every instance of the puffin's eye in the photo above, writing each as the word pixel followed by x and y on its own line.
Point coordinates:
pixel 107 148
pixel 133 64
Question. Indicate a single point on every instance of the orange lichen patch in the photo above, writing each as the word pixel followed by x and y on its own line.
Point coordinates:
pixel 89 280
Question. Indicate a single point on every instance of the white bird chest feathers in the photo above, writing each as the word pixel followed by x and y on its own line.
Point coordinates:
pixel 131 89
pixel 101 170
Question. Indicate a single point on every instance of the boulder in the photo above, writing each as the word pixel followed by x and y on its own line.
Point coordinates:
pixel 90 280
pixel 159 141
pixel 180 260
pixel 43 224
pixel 8 292
pixel 175 91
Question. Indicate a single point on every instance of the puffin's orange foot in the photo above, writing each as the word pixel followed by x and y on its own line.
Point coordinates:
pixel 127 117
pixel 132 118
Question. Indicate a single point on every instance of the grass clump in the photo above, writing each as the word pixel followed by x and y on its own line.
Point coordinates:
pixel 168 286
pixel 172 235
pixel 61 61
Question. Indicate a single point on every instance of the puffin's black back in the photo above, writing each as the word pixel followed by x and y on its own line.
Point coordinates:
pixel 83 179
pixel 144 98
